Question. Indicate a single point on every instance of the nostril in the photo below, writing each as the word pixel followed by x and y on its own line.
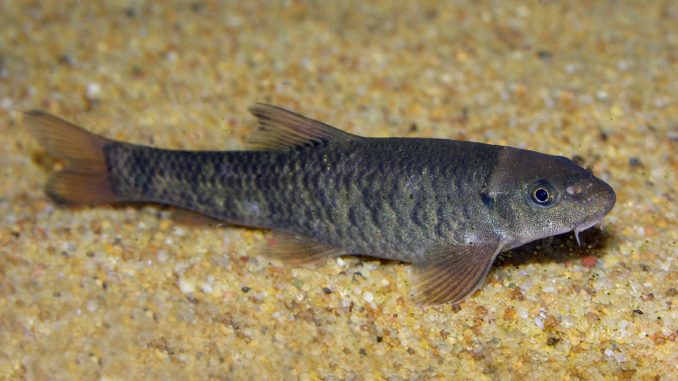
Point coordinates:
pixel 573 190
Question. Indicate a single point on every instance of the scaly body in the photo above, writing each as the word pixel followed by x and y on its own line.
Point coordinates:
pixel 389 198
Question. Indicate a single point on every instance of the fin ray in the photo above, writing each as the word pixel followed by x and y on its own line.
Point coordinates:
pixel 452 276
pixel 192 218
pixel 281 129
pixel 84 180
pixel 298 249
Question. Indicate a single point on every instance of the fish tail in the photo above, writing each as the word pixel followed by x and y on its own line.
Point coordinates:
pixel 85 177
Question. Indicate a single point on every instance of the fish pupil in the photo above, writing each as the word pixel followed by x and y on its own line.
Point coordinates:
pixel 541 195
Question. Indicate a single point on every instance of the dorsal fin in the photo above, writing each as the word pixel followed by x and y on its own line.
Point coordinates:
pixel 281 129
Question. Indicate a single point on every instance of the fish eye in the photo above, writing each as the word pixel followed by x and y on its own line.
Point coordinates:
pixel 542 193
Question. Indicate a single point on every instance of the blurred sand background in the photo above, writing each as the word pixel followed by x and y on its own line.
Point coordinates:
pixel 117 293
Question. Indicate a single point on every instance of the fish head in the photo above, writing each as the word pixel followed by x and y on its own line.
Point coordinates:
pixel 533 195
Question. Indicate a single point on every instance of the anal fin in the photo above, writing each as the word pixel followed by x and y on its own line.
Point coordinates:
pixel 452 275
pixel 297 249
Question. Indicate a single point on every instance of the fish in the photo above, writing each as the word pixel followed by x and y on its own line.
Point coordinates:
pixel 448 207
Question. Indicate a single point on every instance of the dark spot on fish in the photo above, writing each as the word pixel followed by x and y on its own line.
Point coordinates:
pixel 56 294
pixel 362 352
pixel 90 254
pixel 552 341
pixel 413 127
pixel 131 12
pixel 645 267
pixel 380 339
pixel 245 289
pixel 456 308
pixel 671 292
pixel 327 290
pixel 353 217
pixel 487 200
pixel 637 312
pixel 411 351
pixel 104 285
pixel 635 162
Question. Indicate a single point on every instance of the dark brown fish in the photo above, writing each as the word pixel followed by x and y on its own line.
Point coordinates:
pixel 447 206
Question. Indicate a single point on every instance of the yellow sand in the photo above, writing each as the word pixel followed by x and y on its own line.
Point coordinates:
pixel 121 293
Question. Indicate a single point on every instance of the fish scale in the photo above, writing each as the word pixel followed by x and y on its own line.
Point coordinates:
pixel 284 193
pixel 281 189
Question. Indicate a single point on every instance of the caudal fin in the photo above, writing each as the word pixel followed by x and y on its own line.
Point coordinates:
pixel 85 178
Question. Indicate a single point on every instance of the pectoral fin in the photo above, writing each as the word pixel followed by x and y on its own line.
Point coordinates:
pixel 452 275
pixel 297 249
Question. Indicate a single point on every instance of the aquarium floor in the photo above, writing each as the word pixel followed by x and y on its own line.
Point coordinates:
pixel 128 292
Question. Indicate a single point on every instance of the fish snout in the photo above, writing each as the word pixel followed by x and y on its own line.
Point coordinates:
pixel 596 195
pixel 610 196
pixel 596 198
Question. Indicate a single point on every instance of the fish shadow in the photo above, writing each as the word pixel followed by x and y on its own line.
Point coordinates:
pixel 561 248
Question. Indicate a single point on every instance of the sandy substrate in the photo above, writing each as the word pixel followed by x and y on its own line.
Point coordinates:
pixel 129 293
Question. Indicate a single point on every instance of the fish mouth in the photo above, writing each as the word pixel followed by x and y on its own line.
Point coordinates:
pixel 608 197
pixel 585 226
